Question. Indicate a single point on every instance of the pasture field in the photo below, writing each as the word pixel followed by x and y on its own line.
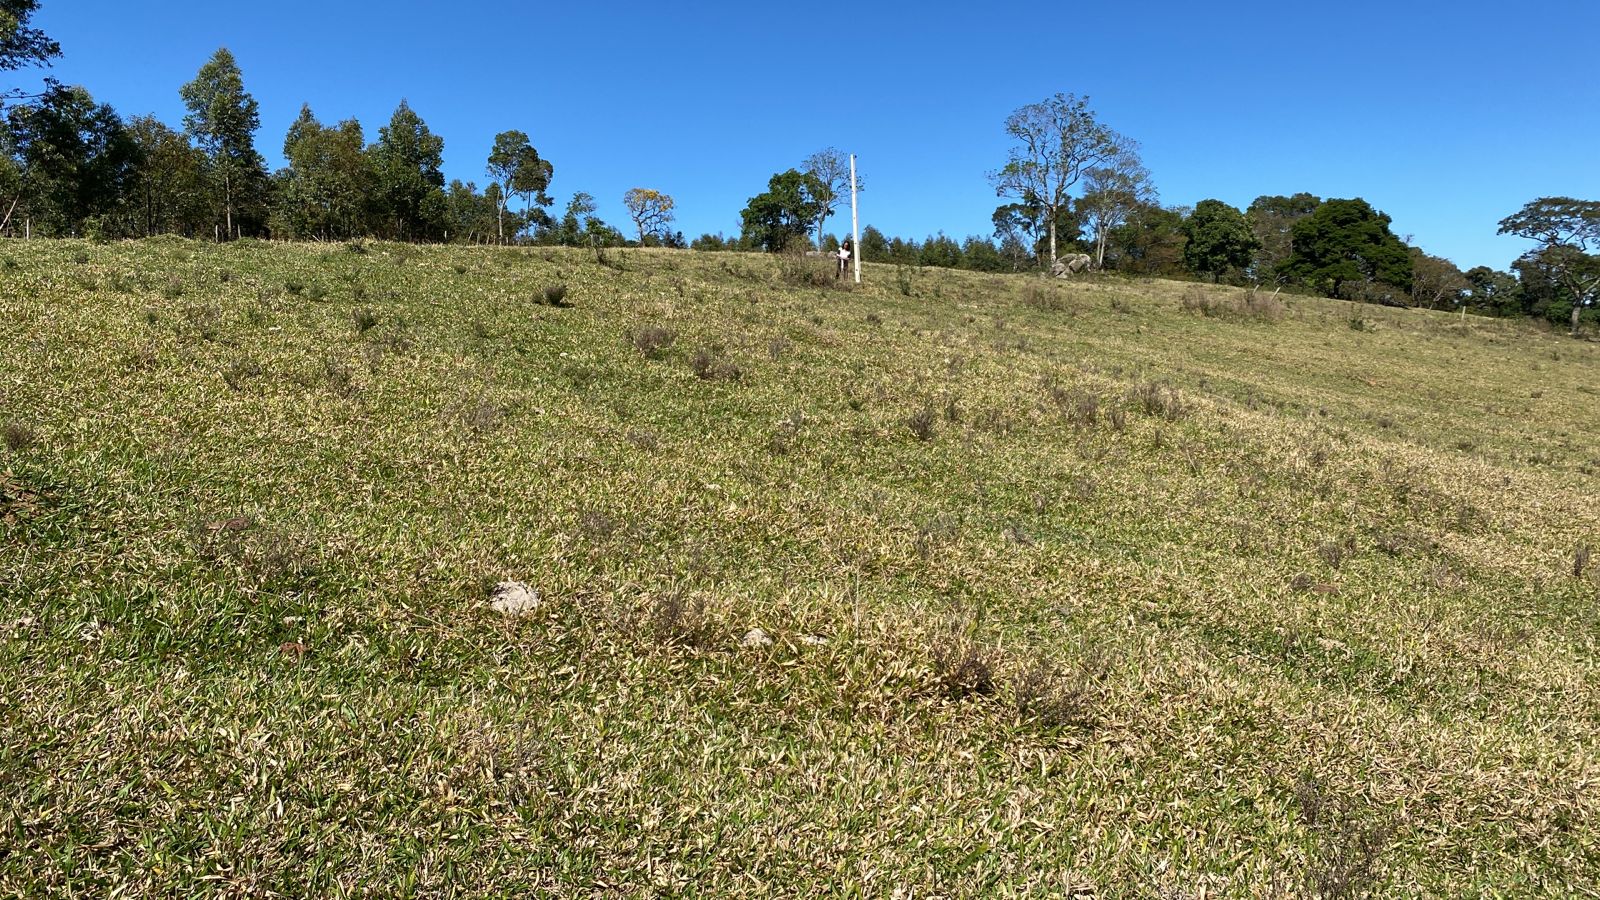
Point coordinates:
pixel 1094 589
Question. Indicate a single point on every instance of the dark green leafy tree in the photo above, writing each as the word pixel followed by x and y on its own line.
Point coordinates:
pixel 1492 292
pixel 327 192
pixel 1567 231
pixel 22 45
pixel 874 246
pixel 168 194
pixel 1219 240
pixel 1272 219
pixel 1347 244
pixel 521 172
pixel 1150 242
pixel 939 250
pixel 406 161
pixel 980 254
pixel 75 159
pixel 1057 142
pixel 782 217
pixel 223 119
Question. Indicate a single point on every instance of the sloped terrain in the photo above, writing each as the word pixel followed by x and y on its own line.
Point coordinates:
pixel 1107 588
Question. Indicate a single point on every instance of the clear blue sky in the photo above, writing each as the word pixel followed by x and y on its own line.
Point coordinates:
pixel 1446 115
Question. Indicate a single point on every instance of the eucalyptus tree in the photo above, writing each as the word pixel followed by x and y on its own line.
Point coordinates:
pixel 328 190
pixel 1112 191
pixel 222 120
pixel 521 172
pixel 406 162
pixel 1059 140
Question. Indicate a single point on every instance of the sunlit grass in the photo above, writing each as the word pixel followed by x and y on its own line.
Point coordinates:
pixel 1071 586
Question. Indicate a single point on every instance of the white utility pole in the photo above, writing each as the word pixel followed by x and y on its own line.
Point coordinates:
pixel 855 221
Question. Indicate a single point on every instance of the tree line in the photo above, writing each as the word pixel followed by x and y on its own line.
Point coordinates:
pixel 70 166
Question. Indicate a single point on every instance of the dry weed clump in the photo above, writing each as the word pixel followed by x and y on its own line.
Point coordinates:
pixel 17 437
pixel 1046 695
pixel 1251 305
pixel 653 340
pixel 1158 401
pixel 1045 299
pixel 923 423
pixel 676 619
pixel 1346 862
pixel 963 669
pixel 711 363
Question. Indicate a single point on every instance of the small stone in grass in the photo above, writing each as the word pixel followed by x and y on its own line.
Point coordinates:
pixel 813 640
pixel 755 638
pixel 513 598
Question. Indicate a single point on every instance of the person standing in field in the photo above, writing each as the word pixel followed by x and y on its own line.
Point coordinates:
pixel 844 259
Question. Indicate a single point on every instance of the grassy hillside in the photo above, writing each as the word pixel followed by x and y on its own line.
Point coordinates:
pixel 1071 590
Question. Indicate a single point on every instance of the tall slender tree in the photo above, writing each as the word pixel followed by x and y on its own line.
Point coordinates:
pixel 1112 190
pixel 223 119
pixel 521 172
pixel 327 190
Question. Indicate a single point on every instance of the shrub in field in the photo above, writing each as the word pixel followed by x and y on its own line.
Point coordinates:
pixel 1252 305
pixel 1159 401
pixel 365 320
pixel 1580 560
pixel 17 436
pixel 556 295
pixel 923 423
pixel 963 669
pixel 710 363
pixel 653 340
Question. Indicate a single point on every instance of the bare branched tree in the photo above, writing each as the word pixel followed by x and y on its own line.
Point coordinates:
pixel 650 210
pixel 832 169
pixel 1112 190
pixel 1059 141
